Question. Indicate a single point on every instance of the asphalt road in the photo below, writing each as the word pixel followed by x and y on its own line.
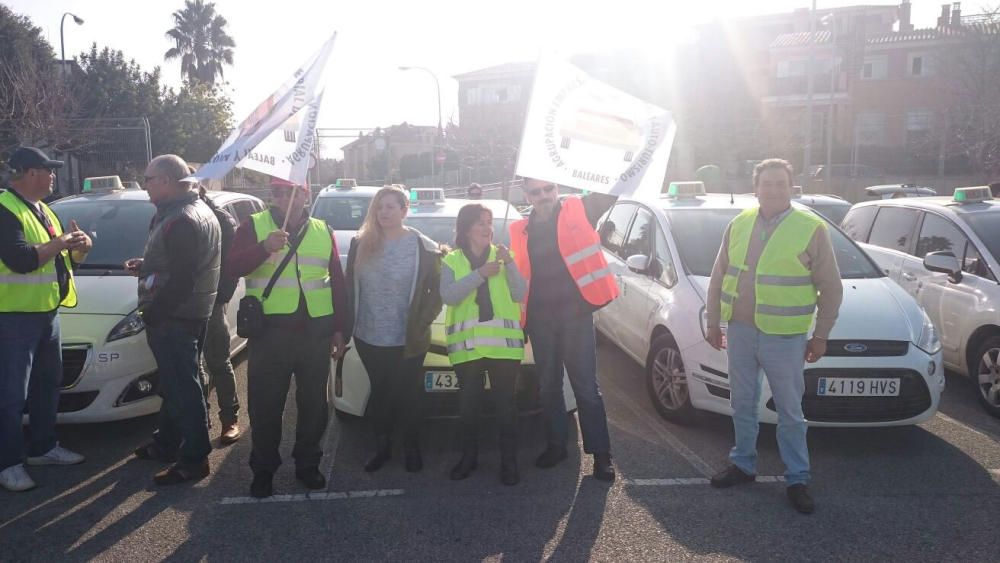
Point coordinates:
pixel 917 493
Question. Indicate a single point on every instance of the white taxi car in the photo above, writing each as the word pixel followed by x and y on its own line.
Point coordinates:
pixel 662 252
pixel 945 252
pixel 434 215
pixel 343 205
pixel 108 370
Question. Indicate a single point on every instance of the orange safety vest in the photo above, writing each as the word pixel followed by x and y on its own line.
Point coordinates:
pixel 580 247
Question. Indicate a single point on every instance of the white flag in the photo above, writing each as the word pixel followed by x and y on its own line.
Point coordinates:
pixel 296 93
pixel 582 133
pixel 287 152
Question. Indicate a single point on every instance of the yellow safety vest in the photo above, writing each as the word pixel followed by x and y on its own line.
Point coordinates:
pixel 307 273
pixel 785 294
pixel 469 339
pixel 37 291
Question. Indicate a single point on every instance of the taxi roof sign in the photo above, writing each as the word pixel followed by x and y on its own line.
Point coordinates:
pixel 426 196
pixel 972 195
pixel 345 183
pixel 102 183
pixel 684 190
pixel 796 191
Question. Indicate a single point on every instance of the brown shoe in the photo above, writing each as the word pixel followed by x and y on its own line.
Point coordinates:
pixel 178 473
pixel 230 434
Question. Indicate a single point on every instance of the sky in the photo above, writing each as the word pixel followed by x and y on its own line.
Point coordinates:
pixel 364 87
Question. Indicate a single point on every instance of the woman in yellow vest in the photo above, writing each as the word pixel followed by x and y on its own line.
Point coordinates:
pixel 482 288
pixel 393 274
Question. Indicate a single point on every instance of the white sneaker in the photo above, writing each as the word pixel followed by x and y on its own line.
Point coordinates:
pixel 57 456
pixel 15 479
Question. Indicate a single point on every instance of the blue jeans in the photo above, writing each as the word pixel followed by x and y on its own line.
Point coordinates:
pixel 783 359
pixel 572 344
pixel 183 419
pixel 30 371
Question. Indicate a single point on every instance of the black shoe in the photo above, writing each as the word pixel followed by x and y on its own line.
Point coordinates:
pixel 730 476
pixel 262 485
pixel 508 471
pixel 311 478
pixel 603 470
pixel 383 452
pixel 550 457
pixel 413 462
pixel 800 499
pixel 465 466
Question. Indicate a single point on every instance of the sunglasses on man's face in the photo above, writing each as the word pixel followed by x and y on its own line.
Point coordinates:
pixel 535 192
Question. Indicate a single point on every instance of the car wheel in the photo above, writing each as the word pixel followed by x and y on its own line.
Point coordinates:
pixel 986 375
pixel 667 383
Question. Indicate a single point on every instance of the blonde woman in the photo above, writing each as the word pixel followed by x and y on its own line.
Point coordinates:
pixel 393 274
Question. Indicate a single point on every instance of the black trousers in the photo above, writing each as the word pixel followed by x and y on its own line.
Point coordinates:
pixel 397 390
pixel 273 358
pixel 503 382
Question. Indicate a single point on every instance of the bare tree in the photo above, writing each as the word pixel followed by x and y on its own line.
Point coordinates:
pixel 972 70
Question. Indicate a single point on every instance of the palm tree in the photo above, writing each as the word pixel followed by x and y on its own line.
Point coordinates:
pixel 200 41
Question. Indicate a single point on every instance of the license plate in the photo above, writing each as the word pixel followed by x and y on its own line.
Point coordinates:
pixel 855 387
pixel 438 381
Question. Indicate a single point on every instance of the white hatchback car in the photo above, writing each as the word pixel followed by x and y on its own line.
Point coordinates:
pixel 434 216
pixel 662 252
pixel 945 252
pixel 108 370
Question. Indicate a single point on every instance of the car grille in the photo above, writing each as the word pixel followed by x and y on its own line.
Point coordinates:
pixel 73 402
pixel 867 348
pixel 445 404
pixel 914 398
pixel 74 359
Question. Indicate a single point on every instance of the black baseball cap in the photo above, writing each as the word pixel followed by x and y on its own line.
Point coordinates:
pixel 25 158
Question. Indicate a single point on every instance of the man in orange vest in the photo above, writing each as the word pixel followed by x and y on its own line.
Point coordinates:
pixel 559 253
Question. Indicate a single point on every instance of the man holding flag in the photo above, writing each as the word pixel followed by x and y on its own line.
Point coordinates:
pixel 304 326
pixel 559 254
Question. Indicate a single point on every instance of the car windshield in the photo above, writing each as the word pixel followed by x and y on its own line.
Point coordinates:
pixel 441 228
pixel 342 213
pixel 118 228
pixel 835 212
pixel 987 228
pixel 698 234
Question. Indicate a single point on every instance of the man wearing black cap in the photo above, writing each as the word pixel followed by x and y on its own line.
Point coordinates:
pixel 35 280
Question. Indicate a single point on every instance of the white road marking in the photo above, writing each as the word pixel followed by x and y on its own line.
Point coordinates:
pixel 680 482
pixel 307 497
pixel 980 433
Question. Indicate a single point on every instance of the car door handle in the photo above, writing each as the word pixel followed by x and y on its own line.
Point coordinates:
pixel 909 277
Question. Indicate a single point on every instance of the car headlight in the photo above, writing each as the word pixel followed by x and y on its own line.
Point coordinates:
pixel 129 326
pixel 928 340
pixel 704 322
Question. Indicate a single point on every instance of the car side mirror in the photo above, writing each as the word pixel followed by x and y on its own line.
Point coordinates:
pixel 944 263
pixel 638 263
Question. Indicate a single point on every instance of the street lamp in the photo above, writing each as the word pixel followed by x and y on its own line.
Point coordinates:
pixel 440 135
pixel 62 42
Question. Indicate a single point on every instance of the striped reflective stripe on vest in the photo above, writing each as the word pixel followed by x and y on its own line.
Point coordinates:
pixel 780 311
pixel 473 323
pixel 785 280
pixel 485 341
pixel 30 279
pixel 590 278
pixel 287 283
pixel 733 271
pixel 312 261
pixel 582 254
pixel 727 298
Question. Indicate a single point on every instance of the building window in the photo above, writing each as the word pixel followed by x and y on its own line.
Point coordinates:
pixel 791 68
pixel 918 64
pixel 472 96
pixel 870 129
pixel 875 68
pixel 918 126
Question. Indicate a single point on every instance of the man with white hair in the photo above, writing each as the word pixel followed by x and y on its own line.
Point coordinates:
pixel 178 280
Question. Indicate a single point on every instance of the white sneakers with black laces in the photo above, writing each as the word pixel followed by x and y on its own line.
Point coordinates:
pixel 15 479
pixel 56 456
